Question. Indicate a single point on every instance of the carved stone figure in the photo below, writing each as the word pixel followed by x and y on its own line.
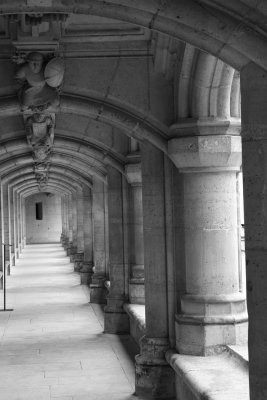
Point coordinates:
pixel 39 83
pixel 40 134
pixel 41 175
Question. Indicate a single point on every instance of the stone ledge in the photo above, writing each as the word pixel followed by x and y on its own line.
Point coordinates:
pixel 220 377
pixel 136 313
pixel 240 353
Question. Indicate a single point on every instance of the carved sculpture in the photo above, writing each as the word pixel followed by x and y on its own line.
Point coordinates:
pixel 40 135
pixel 41 174
pixel 40 83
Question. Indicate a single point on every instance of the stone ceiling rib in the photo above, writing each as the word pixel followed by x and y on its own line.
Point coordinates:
pixel 54 177
pixel 206 87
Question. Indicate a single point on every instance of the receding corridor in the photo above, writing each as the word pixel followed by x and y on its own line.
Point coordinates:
pixel 52 344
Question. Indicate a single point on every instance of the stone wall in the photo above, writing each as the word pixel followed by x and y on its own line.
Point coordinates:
pixel 49 228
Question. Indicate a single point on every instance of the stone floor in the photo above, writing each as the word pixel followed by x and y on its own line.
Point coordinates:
pixel 52 344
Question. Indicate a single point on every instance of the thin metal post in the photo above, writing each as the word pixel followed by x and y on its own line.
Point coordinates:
pixel 4 278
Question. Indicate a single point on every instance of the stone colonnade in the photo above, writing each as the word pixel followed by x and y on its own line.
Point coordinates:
pixel 117 233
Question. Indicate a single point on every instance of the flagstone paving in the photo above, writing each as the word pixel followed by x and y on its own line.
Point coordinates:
pixel 52 345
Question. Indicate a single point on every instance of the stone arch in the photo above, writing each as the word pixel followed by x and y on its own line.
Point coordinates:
pixel 226 36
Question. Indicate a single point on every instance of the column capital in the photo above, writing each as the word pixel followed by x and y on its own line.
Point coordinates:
pixel 210 153
pixel 133 173
pixel 206 126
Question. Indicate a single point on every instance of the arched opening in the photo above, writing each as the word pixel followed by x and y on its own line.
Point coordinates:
pixel 44 225
pixel 148 138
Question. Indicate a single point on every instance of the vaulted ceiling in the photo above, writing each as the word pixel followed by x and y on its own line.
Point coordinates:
pixel 134 71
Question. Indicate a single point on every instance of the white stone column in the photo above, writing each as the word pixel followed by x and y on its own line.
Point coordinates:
pixel 137 274
pixel 87 267
pixel 68 244
pixel 73 248
pixel 5 223
pixel 98 291
pixel 23 221
pixel 254 135
pixel 79 255
pixel 63 219
pixel 15 210
pixel 11 224
pixel 19 222
pixel 213 308
pixel 154 377
pixel 1 236
pixel 116 320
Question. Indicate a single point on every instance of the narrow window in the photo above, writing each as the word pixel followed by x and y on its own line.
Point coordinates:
pixel 39 210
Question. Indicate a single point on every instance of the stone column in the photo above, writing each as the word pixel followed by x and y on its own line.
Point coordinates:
pixel 137 274
pixel 154 377
pixel 213 308
pixel 87 267
pixel 98 291
pixel 68 216
pixel 67 227
pixel 63 219
pixel 1 236
pixel 19 223
pixel 16 238
pixel 79 255
pixel 70 230
pixel 116 320
pixel 254 135
pixel 23 227
pixel 11 224
pixel 73 248
pixel 5 224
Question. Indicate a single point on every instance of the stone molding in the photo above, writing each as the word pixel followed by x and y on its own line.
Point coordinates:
pixel 133 174
pixel 205 127
pixel 217 152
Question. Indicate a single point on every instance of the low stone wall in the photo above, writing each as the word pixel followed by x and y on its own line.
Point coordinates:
pixel 220 377
pixel 136 314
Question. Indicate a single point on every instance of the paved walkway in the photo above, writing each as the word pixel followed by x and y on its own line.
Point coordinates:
pixel 52 344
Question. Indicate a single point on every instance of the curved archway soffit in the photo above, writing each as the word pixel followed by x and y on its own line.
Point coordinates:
pixel 31 177
pixel 72 163
pixel 60 172
pixel 133 126
pixel 230 34
pixel 35 190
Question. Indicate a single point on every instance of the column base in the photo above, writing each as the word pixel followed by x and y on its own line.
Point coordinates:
pixel 154 378
pixel 78 261
pixel 116 320
pixel 72 252
pixel 13 259
pixel 209 324
pixel 65 242
pixel 137 291
pixel 68 248
pixel 98 294
pixel 98 291
pixel 86 273
pixel 8 267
